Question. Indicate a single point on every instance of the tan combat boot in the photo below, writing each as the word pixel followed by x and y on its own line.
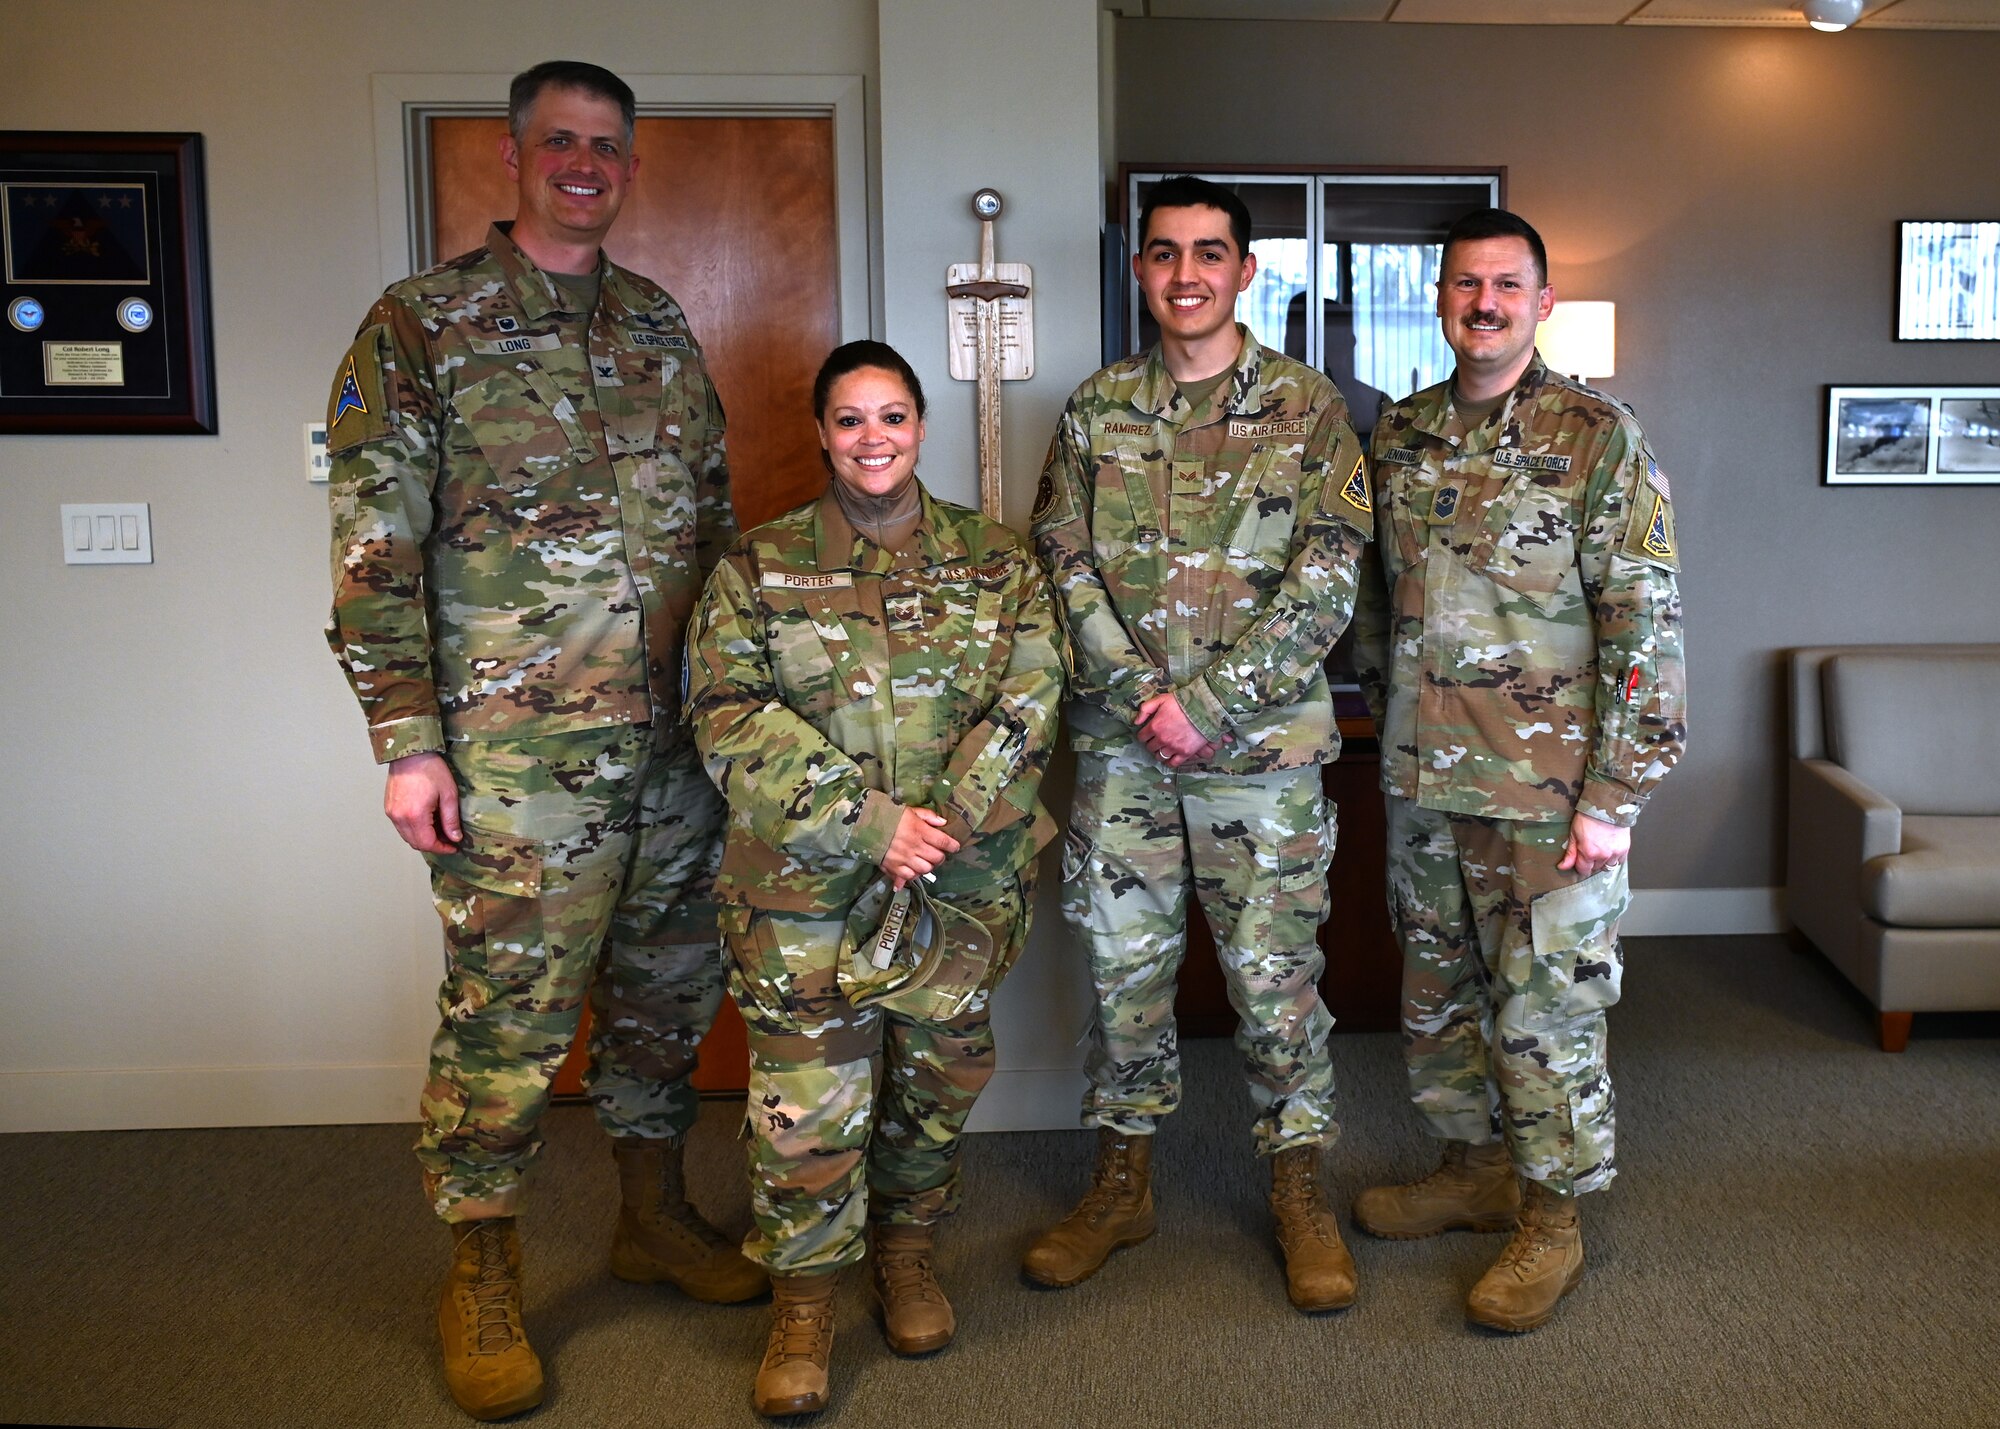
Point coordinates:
pixel 792 1379
pixel 1541 1264
pixel 1116 1211
pixel 916 1317
pixel 1319 1273
pixel 661 1237
pixel 1473 1189
pixel 488 1366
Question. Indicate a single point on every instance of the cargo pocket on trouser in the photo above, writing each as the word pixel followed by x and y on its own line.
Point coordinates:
pixel 488 891
pixel 1300 902
pixel 1558 1091
pixel 478 1110
pixel 759 982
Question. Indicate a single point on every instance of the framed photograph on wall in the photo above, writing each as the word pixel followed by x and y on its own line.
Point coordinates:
pixel 1913 436
pixel 104 318
pixel 1948 282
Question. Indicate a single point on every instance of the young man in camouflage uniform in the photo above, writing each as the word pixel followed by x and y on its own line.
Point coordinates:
pixel 1519 640
pixel 528 485
pixel 1202 515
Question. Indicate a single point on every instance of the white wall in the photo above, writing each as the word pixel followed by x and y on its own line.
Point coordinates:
pixel 206 919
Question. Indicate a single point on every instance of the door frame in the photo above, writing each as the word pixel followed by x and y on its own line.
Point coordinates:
pixel 404 102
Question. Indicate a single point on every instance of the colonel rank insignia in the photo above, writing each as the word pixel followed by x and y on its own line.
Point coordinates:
pixel 350 399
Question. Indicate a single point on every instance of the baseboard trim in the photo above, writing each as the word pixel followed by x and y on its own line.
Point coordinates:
pixel 1688 912
pixel 1017 1099
pixel 157 1098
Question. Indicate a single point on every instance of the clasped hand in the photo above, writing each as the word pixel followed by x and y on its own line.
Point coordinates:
pixel 1168 734
pixel 919 845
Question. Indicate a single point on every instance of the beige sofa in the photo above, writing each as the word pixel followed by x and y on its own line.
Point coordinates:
pixel 1893 859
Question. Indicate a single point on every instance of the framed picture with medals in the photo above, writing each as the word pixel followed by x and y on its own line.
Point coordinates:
pixel 104 299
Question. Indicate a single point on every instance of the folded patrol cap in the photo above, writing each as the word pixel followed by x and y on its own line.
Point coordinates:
pixel 912 952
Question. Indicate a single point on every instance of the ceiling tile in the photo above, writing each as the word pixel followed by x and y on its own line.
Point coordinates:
pixel 1270 10
pixel 1513 12
pixel 1936 15
pixel 1738 12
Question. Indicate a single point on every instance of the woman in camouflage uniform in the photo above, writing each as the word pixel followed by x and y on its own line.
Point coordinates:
pixel 874 681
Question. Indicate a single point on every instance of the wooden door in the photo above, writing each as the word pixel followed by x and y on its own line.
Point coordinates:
pixel 736 218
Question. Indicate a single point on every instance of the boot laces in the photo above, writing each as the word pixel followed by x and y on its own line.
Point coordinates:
pixel 797 1332
pixel 672 1207
pixel 908 1274
pixel 495 1293
pixel 1112 1184
pixel 1295 1197
pixel 1532 1237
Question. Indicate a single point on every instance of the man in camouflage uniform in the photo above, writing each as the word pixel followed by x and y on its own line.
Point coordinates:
pixel 1519 640
pixel 528 481
pixel 1202 515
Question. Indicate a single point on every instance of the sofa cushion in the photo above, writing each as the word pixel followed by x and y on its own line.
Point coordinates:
pixel 1947 876
pixel 1919 728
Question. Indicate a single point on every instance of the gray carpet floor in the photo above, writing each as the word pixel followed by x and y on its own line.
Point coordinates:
pixel 1806 1232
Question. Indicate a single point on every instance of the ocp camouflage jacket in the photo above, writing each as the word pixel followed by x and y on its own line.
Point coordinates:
pixel 1211 552
pixel 832 684
pixel 521 522
pixel 1519 630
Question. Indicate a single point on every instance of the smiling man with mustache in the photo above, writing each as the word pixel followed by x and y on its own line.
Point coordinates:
pixel 1518 637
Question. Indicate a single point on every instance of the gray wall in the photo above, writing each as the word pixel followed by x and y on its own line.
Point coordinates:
pixel 1736 192
pixel 204 917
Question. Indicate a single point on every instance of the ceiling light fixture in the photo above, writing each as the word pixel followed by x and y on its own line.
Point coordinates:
pixel 1831 15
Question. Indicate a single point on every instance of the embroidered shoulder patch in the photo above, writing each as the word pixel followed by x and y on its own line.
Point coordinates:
pixel 1354 491
pixel 348 398
pixel 1659 539
pixel 357 410
pixel 1649 534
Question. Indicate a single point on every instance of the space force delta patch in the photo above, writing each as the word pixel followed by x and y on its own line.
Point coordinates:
pixel 1354 491
pixel 1530 461
pixel 1659 538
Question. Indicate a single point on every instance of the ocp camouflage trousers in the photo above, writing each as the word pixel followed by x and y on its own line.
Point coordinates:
pixel 854 1113
pixel 586 870
pixel 1508 967
pixel 1255 848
